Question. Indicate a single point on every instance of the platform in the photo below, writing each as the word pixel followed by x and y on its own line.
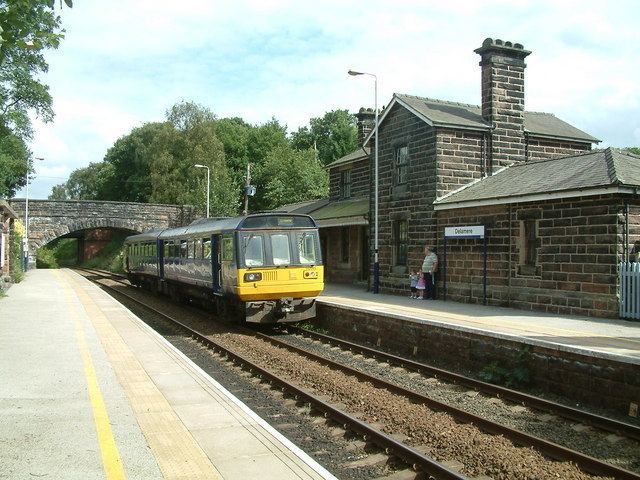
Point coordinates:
pixel 90 392
pixel 598 337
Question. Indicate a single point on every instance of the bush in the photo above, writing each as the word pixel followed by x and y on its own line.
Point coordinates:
pixel 17 271
pixel 46 258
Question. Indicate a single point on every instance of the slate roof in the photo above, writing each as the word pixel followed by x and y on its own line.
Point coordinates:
pixel 359 154
pixel 302 207
pixel 344 212
pixel 453 114
pixel 595 169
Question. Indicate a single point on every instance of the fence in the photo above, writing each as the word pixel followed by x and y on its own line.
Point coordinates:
pixel 630 290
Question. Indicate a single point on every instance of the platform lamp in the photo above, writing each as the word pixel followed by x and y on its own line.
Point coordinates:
pixel 376 264
pixel 25 247
pixel 197 165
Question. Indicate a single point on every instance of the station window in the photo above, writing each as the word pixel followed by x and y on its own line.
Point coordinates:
pixel 530 256
pixel 345 184
pixel 344 244
pixel 400 237
pixel 401 165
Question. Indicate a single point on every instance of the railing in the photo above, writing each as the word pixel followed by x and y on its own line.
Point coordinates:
pixel 630 290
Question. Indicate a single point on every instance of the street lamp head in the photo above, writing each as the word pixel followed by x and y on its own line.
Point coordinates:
pixel 200 166
pixel 354 73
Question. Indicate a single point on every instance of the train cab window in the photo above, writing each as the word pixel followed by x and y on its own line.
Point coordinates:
pixel 227 248
pixel 307 248
pixel 280 249
pixel 206 248
pixel 253 250
pixel 183 249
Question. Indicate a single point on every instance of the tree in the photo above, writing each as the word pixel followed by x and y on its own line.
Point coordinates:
pixel 288 176
pixel 189 138
pixel 635 150
pixel 27 28
pixel 130 158
pixel 87 183
pixel 14 162
pixel 333 135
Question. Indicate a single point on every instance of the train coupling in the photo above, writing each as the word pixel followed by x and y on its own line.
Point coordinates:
pixel 284 306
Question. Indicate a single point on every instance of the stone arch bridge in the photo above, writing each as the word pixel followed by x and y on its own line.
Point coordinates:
pixel 52 219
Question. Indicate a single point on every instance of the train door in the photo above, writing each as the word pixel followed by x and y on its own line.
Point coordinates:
pixel 160 257
pixel 216 267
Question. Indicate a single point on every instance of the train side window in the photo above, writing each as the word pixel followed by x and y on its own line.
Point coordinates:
pixel 206 248
pixel 227 248
pixel 198 252
pixel 183 249
pixel 280 249
pixel 190 248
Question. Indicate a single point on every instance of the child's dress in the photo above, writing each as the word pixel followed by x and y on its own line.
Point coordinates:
pixel 421 283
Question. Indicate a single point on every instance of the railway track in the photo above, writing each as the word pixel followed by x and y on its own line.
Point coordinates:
pixel 389 441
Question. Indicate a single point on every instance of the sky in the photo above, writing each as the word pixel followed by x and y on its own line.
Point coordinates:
pixel 124 63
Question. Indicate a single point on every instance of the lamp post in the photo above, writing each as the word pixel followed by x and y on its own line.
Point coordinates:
pixel 26 219
pixel 197 165
pixel 376 264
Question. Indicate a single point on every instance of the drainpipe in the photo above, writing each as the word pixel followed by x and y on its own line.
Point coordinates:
pixel 626 231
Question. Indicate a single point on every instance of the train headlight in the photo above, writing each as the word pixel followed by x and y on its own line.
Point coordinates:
pixel 252 277
pixel 310 274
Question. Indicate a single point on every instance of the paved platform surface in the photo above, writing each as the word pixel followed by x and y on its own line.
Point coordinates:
pixel 607 338
pixel 88 391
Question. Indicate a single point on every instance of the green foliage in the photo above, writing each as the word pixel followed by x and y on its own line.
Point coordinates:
pixel 14 161
pixel 635 150
pixel 45 258
pixel 290 176
pixel 333 135
pixel 111 257
pixel 17 233
pixel 515 376
pixel 190 139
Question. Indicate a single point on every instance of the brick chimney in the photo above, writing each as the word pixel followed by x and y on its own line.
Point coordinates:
pixel 366 121
pixel 503 100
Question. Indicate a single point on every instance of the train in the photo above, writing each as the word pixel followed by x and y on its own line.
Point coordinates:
pixel 256 268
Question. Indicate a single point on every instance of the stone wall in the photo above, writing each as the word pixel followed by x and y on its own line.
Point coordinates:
pixel 412 201
pixel 586 379
pixel 335 269
pixel 541 148
pixel 579 244
pixel 51 219
pixel 359 179
pixel 461 158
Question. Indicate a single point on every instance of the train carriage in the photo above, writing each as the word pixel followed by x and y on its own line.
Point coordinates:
pixel 262 268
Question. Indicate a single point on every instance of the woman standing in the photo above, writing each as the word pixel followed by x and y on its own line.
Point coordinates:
pixel 429 268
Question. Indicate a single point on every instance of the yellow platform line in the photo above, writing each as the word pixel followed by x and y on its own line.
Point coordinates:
pixel 111 460
pixel 178 454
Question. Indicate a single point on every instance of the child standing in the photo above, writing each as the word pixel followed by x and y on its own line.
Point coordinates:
pixel 420 286
pixel 413 281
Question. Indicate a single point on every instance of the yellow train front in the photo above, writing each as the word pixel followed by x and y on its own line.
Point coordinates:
pixel 262 268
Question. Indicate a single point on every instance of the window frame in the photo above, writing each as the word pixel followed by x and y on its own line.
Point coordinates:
pixel 401 242
pixel 401 165
pixel 345 183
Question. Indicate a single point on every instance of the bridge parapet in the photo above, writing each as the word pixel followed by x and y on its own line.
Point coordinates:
pixel 51 219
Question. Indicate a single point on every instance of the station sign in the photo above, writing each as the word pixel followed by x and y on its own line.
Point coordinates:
pixel 470 231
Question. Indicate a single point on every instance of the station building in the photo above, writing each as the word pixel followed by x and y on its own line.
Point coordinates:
pixel 7 216
pixel 558 215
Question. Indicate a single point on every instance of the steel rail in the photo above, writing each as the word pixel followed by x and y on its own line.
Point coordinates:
pixel 553 450
pixel 600 422
pixel 585 462
pixel 393 447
